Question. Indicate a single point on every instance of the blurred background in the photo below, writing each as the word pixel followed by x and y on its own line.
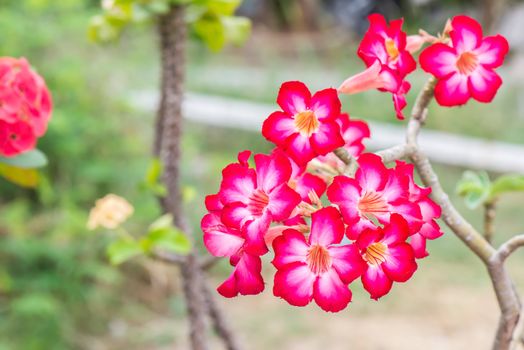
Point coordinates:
pixel 57 289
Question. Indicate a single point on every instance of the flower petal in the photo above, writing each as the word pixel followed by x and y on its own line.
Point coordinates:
pixel 282 201
pixel 330 293
pixel 272 170
pixel 294 97
pixel 466 34
pixel 218 239
pixel 254 231
pixel 290 247
pixel 348 262
pixel 327 138
pixel 492 51
pixel 327 227
pixel 452 90
pixel 376 282
pixel 299 148
pixel 372 175
pixel 238 183
pixel 484 84
pixel 294 283
pixel 400 263
pixel 439 59
pixel 326 104
pixel 278 127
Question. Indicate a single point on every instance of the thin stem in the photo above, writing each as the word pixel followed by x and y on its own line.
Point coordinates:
pixel 220 323
pixel 489 218
pixel 510 246
pixel 348 159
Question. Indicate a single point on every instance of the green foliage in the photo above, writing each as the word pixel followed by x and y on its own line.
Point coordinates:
pixel 161 234
pixel 211 21
pixel 477 188
pixel 152 181
pixel 20 170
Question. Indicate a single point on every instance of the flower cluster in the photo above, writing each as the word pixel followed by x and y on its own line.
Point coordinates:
pixel 25 106
pixel 464 65
pixel 373 227
pixel 326 224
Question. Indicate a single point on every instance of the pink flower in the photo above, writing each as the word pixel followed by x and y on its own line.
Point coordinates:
pixel 430 211
pixel 383 50
pixel 25 106
pixel 317 268
pixel 306 127
pixel 253 198
pixel 387 44
pixel 353 132
pixel 375 193
pixel 467 68
pixel 389 258
pixel 223 241
pixel 15 138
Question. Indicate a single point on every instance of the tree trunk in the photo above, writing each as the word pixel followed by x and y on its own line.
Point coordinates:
pixel 168 132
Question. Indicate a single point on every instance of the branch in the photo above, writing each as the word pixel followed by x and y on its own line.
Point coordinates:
pixel 510 246
pixel 395 152
pixel 219 322
pixel 169 257
pixel 508 300
pixel 348 159
pixel 489 218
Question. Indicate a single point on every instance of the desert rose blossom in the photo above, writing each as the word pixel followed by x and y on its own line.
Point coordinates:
pixel 388 61
pixel 109 212
pixel 466 68
pixel 375 193
pixel 389 258
pixel 318 268
pixel 223 241
pixel 306 127
pixel 254 197
pixel 25 106
pixel 430 211
pixel 353 132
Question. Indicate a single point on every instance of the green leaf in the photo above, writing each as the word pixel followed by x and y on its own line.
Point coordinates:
pixel 211 31
pixel 123 250
pixel 222 7
pixel 28 160
pixel 151 181
pixel 101 30
pixel 507 183
pixel 162 234
pixel 237 29
pixel 475 188
pixel 20 176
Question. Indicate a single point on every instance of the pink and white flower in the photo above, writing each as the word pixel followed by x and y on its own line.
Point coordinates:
pixel 353 132
pixel 466 69
pixel 223 241
pixel 25 106
pixel 383 50
pixel 389 258
pixel 375 193
pixel 317 268
pixel 253 198
pixel 306 127
pixel 430 211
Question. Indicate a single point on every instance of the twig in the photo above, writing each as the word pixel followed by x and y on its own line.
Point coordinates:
pixel 348 159
pixel 395 153
pixel 219 321
pixel 169 257
pixel 489 218
pixel 510 246
pixel 208 262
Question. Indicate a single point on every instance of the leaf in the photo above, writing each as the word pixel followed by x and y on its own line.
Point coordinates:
pixel 211 31
pixel 222 7
pixel 475 188
pixel 507 183
pixel 162 234
pixel 123 250
pixel 28 160
pixel 20 176
pixel 151 181
pixel 236 29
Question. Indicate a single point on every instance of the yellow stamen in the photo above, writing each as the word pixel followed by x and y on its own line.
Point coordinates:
pixel 376 253
pixel 306 122
pixel 391 49
pixel 467 63
pixel 318 259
